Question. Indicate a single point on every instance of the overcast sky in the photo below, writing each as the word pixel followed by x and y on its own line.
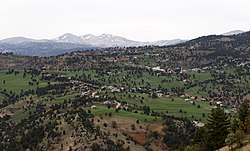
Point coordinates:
pixel 145 20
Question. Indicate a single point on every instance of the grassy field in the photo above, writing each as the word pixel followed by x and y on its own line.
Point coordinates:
pixel 17 83
pixel 153 80
pixel 166 105
pixel 19 115
pixel 178 107
pixel 66 97
pixel 101 110
pixel 1 96
pixel 200 76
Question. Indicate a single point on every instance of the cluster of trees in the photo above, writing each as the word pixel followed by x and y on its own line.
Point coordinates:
pixel 29 133
pixel 220 131
pixel 110 146
pixel 178 132
pixel 40 129
pixel 52 89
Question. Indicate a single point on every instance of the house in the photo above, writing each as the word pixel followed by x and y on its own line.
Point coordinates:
pixel 93 107
pixel 94 94
pixel 118 105
pixel 183 71
pixel 193 97
pixel 196 69
pixel 110 87
pixel 203 99
pixel 167 96
pixel 103 88
pixel 182 96
pixel 158 69
pixel 219 103
pixel 115 90
pixel 107 102
pixel 97 96
pixel 84 94
pixel 159 94
pixel 198 124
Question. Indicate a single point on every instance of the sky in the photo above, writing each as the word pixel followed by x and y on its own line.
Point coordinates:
pixel 143 20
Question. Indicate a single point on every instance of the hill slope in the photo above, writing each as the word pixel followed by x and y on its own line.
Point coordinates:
pixel 235 45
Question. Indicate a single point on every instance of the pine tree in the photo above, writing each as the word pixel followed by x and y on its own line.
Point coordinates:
pixel 217 129
pixel 243 111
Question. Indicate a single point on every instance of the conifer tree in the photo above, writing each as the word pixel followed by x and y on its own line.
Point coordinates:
pixel 243 111
pixel 217 129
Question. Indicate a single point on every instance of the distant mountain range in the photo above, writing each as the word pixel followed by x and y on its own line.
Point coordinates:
pixel 107 40
pixel 104 40
pixel 68 43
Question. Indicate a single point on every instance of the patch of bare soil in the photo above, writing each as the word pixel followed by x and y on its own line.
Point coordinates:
pixel 156 127
pixel 247 97
pixel 139 138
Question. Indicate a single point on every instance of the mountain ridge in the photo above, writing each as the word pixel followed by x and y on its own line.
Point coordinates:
pixel 103 40
pixel 68 42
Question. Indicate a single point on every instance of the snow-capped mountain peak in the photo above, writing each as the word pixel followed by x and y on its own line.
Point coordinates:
pixel 68 38
pixel 106 36
pixel 88 36
pixel 234 32
pixel 108 40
